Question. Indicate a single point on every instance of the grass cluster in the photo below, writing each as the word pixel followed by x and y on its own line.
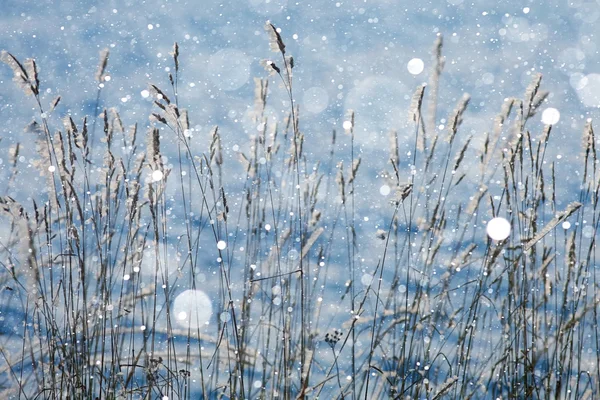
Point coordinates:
pixel 91 265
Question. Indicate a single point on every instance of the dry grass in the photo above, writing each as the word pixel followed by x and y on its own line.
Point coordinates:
pixel 92 266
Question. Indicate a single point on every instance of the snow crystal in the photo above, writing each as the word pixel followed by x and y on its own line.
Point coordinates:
pixel 498 228
pixel 221 245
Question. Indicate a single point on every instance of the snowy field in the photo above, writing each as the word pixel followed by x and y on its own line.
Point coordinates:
pixel 277 199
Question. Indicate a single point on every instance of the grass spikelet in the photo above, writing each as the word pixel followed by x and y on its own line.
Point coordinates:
pixel 172 116
pixel 353 171
pixel 558 218
pixel 437 55
pixel 116 120
pixel 547 258
pixel 396 172
pixel 158 118
pixel 184 120
pixel 32 72
pixel 456 117
pixel 402 193
pixel 537 102
pixel 108 132
pixel 461 154
pixel 414 112
pixel 476 199
pixel 82 144
pixel 429 158
pixel 59 151
pixel 27 250
pixel 340 182
pixel 270 67
pixel 261 87
pixel 394 151
pixel 434 82
pixel 153 150
pixel 275 42
pixel 216 153
pixel 159 95
pixel 13 154
pixel 54 103
pixel 532 91
pixel 20 76
pixel 34 128
pixel 175 55
pixel 498 128
pixel 589 146
pixel 445 387
pixel 416 117
pixel 100 72
pixel 545 135
pixel 571 258
pixel 225 206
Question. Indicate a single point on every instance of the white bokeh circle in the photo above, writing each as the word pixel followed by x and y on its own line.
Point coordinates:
pixel 229 69
pixel 192 308
pixel 498 228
